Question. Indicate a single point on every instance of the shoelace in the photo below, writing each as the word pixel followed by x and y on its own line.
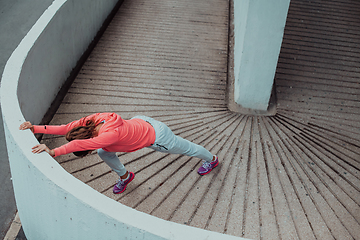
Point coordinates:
pixel 119 182
pixel 206 165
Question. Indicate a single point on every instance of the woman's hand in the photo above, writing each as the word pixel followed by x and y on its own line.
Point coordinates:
pixel 27 125
pixel 41 148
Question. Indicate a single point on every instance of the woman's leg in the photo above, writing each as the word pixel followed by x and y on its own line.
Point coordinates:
pixel 179 145
pixel 167 141
pixel 170 143
pixel 113 161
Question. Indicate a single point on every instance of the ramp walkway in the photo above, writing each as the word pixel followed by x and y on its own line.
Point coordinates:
pixel 294 175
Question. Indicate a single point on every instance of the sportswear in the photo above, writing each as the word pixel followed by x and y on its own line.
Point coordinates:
pixel 115 135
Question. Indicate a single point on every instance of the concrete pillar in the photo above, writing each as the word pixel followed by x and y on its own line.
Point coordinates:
pixel 258 32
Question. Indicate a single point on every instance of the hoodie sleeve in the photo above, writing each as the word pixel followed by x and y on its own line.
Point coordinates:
pixel 101 141
pixel 61 129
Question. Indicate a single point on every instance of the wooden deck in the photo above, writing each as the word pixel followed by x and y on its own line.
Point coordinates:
pixel 294 175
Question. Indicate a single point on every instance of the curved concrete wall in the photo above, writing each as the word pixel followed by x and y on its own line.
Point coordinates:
pixel 52 203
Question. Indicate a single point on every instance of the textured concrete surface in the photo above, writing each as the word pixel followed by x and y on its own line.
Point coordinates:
pixel 16 19
pixel 294 175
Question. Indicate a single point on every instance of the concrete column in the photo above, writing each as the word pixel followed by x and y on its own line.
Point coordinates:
pixel 258 32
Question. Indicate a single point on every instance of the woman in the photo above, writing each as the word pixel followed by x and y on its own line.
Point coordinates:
pixel 109 133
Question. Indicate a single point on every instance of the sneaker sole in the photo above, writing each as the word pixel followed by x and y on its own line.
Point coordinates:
pixel 132 176
pixel 202 174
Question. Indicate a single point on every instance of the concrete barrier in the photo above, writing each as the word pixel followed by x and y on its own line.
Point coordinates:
pixel 53 204
pixel 256 38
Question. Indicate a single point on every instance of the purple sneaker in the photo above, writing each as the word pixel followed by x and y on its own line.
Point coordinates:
pixel 208 166
pixel 120 186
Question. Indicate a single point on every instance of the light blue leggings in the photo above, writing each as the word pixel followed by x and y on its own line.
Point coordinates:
pixel 166 141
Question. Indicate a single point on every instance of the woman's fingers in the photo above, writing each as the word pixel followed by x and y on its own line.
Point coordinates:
pixel 36 149
pixel 26 125
pixel 39 148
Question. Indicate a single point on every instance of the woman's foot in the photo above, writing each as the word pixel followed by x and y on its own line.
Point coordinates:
pixel 120 186
pixel 208 166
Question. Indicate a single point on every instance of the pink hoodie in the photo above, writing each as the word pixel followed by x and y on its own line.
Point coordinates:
pixel 115 135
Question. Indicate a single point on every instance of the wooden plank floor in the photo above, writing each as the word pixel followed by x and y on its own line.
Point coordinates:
pixel 294 175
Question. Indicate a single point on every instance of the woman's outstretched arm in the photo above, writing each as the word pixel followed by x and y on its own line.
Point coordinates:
pixel 55 129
